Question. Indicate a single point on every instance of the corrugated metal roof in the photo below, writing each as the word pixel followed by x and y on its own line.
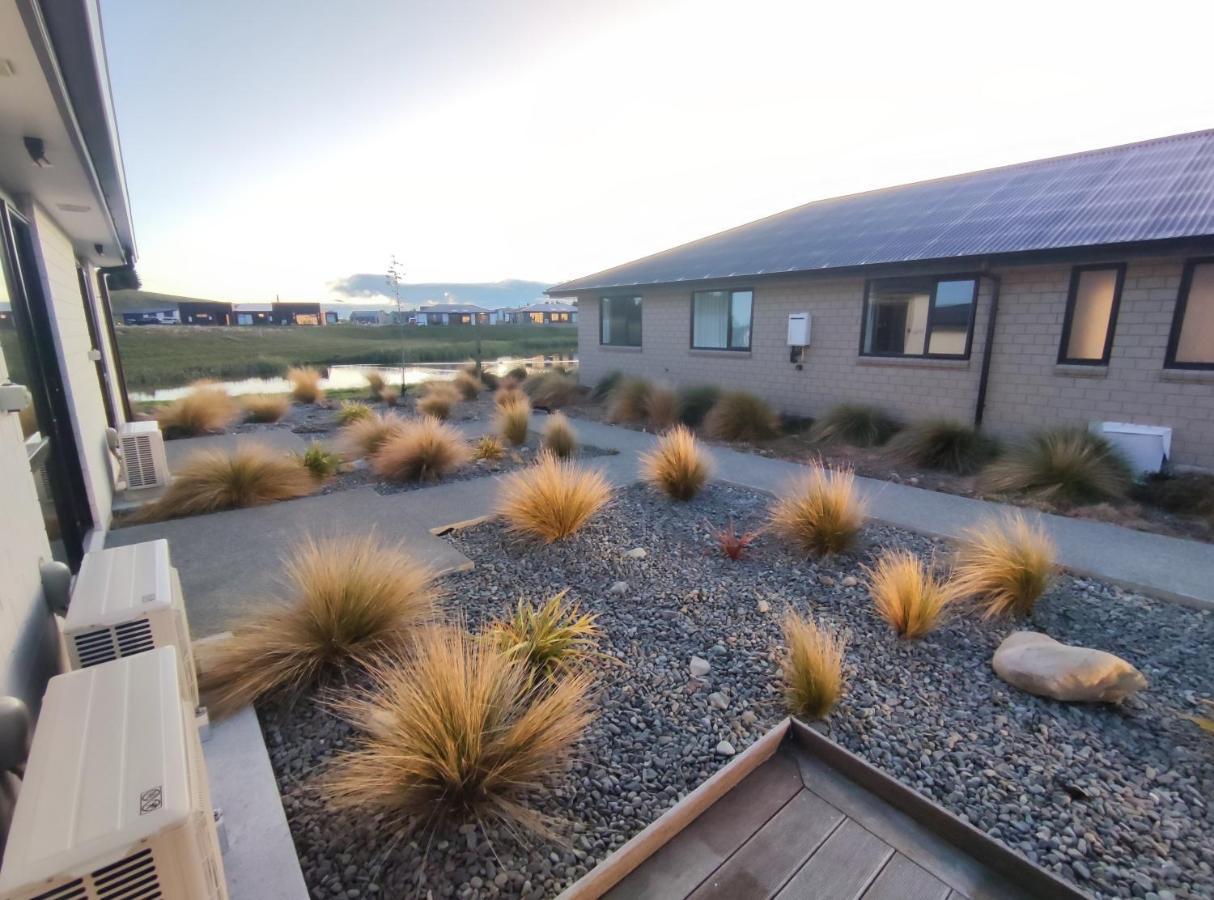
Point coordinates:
pixel 1152 190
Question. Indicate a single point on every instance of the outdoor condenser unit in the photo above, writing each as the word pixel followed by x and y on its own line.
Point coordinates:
pixel 141 448
pixel 127 600
pixel 115 804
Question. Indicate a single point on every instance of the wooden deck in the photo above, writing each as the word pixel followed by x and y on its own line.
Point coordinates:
pixel 801 825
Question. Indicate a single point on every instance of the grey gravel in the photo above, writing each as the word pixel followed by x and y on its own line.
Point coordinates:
pixel 1116 800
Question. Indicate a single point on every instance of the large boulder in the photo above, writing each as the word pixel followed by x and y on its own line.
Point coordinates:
pixel 1043 666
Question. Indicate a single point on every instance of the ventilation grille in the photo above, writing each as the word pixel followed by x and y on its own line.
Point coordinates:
pixel 73 890
pixel 138 460
pixel 105 644
pixel 134 878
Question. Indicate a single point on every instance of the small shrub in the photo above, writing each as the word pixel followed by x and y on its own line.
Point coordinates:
pixel 319 461
pixel 854 424
pixel 438 399
pixel 812 667
pixel 1188 494
pixel 1005 565
pixel 677 466
pixel 457 732
pixel 559 437
pixel 490 380
pixel 1065 466
pixel 662 407
pixel 488 446
pixel 353 412
pixel 214 480
pixel 469 386
pixel 821 514
pixel 552 499
pixel 551 390
pixel 375 384
pixel 422 449
pixel 606 384
pixel 553 638
pixel 943 444
pixel 739 416
pixel 510 394
pixel 305 384
pixel 907 594
pixel 731 543
pixel 511 421
pixel 518 374
pixel 265 407
pixel 346 601
pixel 363 436
pixel 628 401
pixel 205 409
pixel 695 402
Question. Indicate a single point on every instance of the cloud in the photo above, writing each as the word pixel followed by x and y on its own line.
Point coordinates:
pixel 496 294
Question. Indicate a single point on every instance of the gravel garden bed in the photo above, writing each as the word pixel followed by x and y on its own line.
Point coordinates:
pixel 1114 799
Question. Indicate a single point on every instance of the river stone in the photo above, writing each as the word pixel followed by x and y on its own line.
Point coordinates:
pixel 699 667
pixel 637 553
pixel 619 588
pixel 1040 665
pixel 725 749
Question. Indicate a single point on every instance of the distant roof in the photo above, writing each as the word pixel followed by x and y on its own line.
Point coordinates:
pixel 453 308
pixel 547 306
pixel 1149 191
pixel 253 307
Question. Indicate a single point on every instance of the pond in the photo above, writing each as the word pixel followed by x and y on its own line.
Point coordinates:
pixel 353 377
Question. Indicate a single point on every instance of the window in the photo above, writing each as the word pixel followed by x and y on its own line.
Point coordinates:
pixel 1091 315
pixel 931 317
pixel 720 320
pixel 1191 345
pixel 620 321
pixel 536 318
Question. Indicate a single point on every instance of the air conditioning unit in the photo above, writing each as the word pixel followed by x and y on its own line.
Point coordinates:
pixel 115 804
pixel 141 449
pixel 127 600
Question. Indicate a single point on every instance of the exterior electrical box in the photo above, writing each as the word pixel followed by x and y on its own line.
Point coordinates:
pixel 798 329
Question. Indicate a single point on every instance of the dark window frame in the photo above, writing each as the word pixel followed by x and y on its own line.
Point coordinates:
pixel 1178 314
pixel 641 307
pixel 931 315
pixel 750 325
pixel 1072 298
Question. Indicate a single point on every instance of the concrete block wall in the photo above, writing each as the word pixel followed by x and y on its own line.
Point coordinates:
pixel 1027 389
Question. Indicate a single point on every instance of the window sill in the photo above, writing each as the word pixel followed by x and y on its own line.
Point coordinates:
pixel 719 354
pixel 913 362
pixel 1188 376
pixel 1071 370
pixel 619 348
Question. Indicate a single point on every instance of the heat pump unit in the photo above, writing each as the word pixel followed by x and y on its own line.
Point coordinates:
pixel 127 600
pixel 115 804
pixel 141 448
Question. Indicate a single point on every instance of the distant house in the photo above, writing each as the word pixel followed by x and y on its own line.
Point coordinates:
pixel 542 313
pixel 285 313
pixel 253 314
pixel 331 317
pixel 370 317
pixel 453 314
pixel 165 315
pixel 205 312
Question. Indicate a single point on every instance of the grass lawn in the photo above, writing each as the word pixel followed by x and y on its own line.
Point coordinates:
pixel 156 356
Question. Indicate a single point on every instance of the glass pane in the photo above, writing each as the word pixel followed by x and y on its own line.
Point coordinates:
pixel 740 314
pixel 897 318
pixel 1196 344
pixel 951 317
pixel 1092 314
pixel 710 319
pixel 605 320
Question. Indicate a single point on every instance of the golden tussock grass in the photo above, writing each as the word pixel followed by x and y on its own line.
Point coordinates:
pixel 628 401
pixel 739 416
pixel 551 390
pixel 365 434
pixel 353 411
pixel 551 638
pixel 305 384
pixel 468 385
pixel 508 395
pixel 552 499
pixel 908 594
pixel 422 449
pixel 458 732
pixel 1005 565
pixel 677 466
pixel 812 667
pixel 390 396
pixel 438 399
pixel 661 407
pixel 512 420
pixel 820 514
pixel 488 446
pixel 205 409
pixel 559 436
pixel 375 384
pixel 344 601
pixel 265 407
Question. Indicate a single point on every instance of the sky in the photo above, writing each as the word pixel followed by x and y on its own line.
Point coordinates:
pixel 276 147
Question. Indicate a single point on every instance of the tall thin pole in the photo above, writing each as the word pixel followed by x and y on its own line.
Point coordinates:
pixel 395 273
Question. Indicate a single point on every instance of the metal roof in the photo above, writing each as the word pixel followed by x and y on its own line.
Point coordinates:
pixel 549 306
pixel 452 308
pixel 1153 190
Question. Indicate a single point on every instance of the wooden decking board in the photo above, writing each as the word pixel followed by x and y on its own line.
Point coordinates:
pixel 842 868
pixel 764 863
pixel 692 855
pixel 902 879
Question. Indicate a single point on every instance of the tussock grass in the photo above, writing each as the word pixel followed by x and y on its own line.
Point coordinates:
pixel 375 384
pixel 943 444
pixel 552 499
pixel 661 407
pixel 1188 494
pixel 855 424
pixel 908 594
pixel 739 416
pixel 214 480
pixel 559 437
pixel 457 732
pixel 488 446
pixel 677 466
pixel 469 386
pixel 353 411
pixel 1064 466
pixel 695 402
pixel 605 385
pixel 390 396
pixel 812 667
pixel 553 638
pixel 206 409
pixel 305 384
pixel 552 389
pixel 423 449
pixel 265 407
pixel 512 420
pixel 344 601
pixel 1005 565
pixel 364 435
pixel 321 462
pixel 821 514
pixel 509 395
pixel 518 375
pixel 438 399
pixel 628 401
pixel 733 543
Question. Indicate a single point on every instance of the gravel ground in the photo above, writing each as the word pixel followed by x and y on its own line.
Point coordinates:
pixel 1114 799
